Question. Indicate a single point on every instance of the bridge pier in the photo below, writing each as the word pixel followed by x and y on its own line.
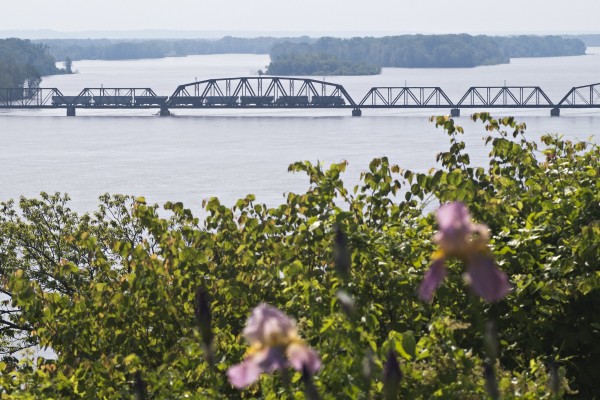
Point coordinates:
pixel 164 112
pixel 71 111
pixel 357 112
pixel 555 112
pixel 455 112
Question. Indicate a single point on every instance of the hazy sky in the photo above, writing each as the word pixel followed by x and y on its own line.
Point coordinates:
pixel 394 16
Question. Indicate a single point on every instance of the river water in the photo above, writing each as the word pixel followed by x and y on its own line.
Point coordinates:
pixel 197 154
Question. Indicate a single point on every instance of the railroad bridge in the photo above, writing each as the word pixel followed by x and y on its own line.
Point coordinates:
pixel 288 92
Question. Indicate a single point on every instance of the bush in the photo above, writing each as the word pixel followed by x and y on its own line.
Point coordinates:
pixel 114 294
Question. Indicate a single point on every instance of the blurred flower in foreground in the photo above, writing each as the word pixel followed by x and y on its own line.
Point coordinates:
pixel 342 257
pixel 391 375
pixel 203 321
pixel 459 237
pixel 274 345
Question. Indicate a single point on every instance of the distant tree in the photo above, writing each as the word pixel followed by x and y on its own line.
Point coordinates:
pixel 68 65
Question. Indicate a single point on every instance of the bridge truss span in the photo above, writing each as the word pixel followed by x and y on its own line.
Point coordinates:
pixel 505 97
pixel 261 92
pixel 116 98
pixel 587 96
pixel 29 97
pixel 405 97
pixel 278 92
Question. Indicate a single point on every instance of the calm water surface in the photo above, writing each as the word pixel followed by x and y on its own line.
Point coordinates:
pixel 197 154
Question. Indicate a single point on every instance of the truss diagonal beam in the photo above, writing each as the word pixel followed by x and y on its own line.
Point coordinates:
pixel 392 96
pixel 505 96
pixel 269 89
pixel 581 96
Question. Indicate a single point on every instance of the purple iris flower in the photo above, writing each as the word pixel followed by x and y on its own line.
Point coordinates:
pixel 274 345
pixel 459 237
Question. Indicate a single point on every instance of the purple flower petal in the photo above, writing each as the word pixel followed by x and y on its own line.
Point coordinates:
pixel 267 324
pixel 272 359
pixel 453 216
pixel 433 277
pixel 300 356
pixel 244 373
pixel 266 360
pixel 486 279
pixel 455 228
pixel 275 346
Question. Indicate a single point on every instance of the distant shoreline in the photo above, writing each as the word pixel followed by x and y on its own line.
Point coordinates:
pixel 328 55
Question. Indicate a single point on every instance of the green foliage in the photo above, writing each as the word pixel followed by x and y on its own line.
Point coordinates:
pixel 112 294
pixel 541 46
pixel 303 60
pixel 25 52
pixel 22 63
pixel 367 55
pixel 330 56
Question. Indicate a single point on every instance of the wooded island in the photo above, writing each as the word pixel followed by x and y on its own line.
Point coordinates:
pixel 24 62
pixel 366 56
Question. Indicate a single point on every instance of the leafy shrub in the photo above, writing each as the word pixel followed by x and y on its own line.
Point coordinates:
pixel 113 294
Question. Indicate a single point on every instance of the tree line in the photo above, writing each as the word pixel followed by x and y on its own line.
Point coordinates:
pixel 23 63
pixel 590 40
pixel 412 51
pixel 109 49
pixel 332 56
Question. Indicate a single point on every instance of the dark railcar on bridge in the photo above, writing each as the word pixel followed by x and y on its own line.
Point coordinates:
pixel 150 100
pixel 221 100
pixel 327 101
pixel 113 100
pixel 256 100
pixel 195 101
pixel 293 101
pixel 71 100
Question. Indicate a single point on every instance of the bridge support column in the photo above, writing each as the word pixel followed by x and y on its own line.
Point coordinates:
pixel 555 112
pixel 164 112
pixel 357 112
pixel 455 112
pixel 71 111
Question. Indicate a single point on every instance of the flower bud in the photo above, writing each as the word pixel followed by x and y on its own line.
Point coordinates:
pixel 391 375
pixel 341 253
pixel 203 317
pixel 139 387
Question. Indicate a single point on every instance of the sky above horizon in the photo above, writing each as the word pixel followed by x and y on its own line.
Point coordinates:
pixel 393 16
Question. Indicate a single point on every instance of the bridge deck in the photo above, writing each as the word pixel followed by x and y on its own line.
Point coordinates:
pixel 295 93
pixel 302 107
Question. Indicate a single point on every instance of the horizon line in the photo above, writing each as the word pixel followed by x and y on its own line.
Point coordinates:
pixel 40 34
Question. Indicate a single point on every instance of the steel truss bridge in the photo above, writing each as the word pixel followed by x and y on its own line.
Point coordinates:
pixel 284 92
